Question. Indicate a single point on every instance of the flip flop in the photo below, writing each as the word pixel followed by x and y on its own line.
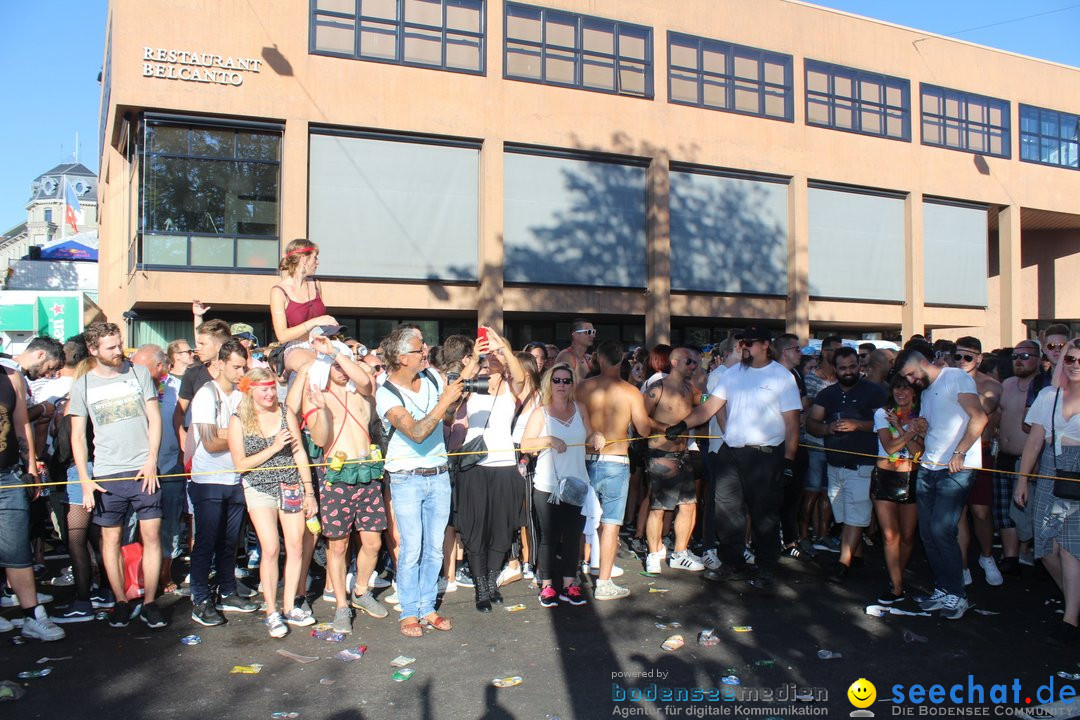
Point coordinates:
pixel 410 627
pixel 439 622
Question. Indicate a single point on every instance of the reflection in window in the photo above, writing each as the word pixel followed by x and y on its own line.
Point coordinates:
pixel 559 48
pixel 210 196
pixel 723 76
pixel 965 121
pixel 844 98
pixel 1049 137
pixel 446 34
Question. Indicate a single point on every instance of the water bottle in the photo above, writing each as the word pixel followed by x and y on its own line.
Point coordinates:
pixel 313 525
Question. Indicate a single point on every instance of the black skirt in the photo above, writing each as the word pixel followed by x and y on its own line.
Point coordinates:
pixel 489 503
pixel 893 486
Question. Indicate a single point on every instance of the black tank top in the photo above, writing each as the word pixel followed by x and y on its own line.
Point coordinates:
pixel 9 443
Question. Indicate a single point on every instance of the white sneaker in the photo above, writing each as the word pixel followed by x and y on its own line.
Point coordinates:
pixel 328 594
pixel 5 625
pixel 686 560
pixel 607 590
pixel 711 560
pixel 392 598
pixel 350 580
pixel 653 560
pixel 527 571
pixel 993 575
pixel 967 577
pixel 954 607
pixel 616 571
pixel 377 582
pixel 41 627
pixel 508 575
pixel 299 617
pixel 13 601
pixel 276 626
pixel 748 555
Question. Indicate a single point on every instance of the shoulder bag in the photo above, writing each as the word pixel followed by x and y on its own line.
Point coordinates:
pixel 1064 489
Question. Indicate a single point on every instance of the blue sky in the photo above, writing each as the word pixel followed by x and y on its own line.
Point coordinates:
pixel 51 52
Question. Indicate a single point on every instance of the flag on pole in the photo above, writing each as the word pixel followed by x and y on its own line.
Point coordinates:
pixel 73 214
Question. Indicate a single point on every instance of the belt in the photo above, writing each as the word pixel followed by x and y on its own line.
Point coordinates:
pixel 423 472
pixel 761 448
pixel 620 459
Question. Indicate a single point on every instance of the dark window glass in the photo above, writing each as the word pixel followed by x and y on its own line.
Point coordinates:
pixel 445 34
pixel 1049 137
pixel 845 98
pixel 210 196
pixel 965 121
pixel 724 76
pixel 560 48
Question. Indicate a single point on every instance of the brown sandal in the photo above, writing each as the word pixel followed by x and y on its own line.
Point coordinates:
pixel 437 621
pixel 411 627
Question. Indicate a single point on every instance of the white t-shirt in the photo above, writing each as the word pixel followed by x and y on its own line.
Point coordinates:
pixel 756 400
pixel 881 422
pixel 947 420
pixel 1068 433
pixel 402 453
pixel 716 438
pixel 496 412
pixel 211 406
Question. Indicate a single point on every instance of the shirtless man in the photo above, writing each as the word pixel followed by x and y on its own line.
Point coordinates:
pixel 344 423
pixel 612 404
pixel 1012 434
pixel 671 482
pixel 582 335
pixel 968 356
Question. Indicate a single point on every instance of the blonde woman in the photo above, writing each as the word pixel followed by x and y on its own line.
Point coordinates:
pixel 296 305
pixel 263 441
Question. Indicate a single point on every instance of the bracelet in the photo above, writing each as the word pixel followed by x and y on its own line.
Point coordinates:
pixel 959 452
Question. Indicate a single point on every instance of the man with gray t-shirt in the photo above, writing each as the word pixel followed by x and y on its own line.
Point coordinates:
pixel 121 401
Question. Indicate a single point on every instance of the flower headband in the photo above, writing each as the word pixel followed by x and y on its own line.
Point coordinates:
pixel 246 383
pixel 300 251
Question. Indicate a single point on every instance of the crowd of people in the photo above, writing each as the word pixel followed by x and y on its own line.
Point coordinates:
pixel 472 464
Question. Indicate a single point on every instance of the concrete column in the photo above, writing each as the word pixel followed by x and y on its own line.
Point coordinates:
pixel 912 321
pixel 489 303
pixel 797 311
pixel 1012 327
pixel 658 250
pixel 294 180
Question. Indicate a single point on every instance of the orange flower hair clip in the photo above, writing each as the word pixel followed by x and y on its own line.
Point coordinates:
pixel 246 383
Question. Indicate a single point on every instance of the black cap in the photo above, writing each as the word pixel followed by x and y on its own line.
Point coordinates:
pixel 753 333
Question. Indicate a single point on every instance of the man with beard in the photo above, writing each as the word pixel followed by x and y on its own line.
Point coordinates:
pixel 122 403
pixel 582 335
pixel 1014 524
pixel 843 414
pixel 42 359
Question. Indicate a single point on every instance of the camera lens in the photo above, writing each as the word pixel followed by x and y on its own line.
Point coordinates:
pixel 477 385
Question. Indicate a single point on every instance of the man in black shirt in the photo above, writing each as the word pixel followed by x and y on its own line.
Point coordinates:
pixel 843 414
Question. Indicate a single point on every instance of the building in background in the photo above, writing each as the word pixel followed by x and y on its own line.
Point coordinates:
pixel 669 170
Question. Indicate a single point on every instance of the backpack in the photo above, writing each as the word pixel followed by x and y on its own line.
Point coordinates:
pixel 397 393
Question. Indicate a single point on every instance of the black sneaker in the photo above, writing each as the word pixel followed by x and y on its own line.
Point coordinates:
pixel 639 546
pixel 1009 566
pixel 76 612
pixel 102 599
pixel 151 615
pixel 205 614
pixel 888 597
pixel 793 552
pixel 838 574
pixel 235 603
pixel 123 613
pixel 730 573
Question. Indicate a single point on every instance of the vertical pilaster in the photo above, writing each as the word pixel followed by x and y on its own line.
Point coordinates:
pixel 658 250
pixel 912 320
pixel 1012 327
pixel 797 311
pixel 489 305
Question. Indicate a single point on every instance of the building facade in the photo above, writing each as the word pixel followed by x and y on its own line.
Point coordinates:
pixel 45 211
pixel 669 170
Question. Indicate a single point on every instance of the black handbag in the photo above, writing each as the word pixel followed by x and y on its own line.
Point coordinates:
pixel 477 447
pixel 1064 489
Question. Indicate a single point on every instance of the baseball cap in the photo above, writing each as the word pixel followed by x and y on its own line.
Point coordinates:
pixel 245 331
pixel 753 333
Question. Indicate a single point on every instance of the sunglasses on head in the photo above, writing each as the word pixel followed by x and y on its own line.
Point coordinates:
pixel 562 381
pixel 963 357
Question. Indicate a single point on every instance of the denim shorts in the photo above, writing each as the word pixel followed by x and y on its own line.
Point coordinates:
pixel 817 477
pixel 14 521
pixel 74 487
pixel 611 481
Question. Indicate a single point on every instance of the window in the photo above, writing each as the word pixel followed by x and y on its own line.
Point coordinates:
pixel 844 98
pixel 559 48
pixel 444 34
pixel 964 121
pixel 722 76
pixel 954 254
pixel 48 215
pixel 210 196
pixel 1049 137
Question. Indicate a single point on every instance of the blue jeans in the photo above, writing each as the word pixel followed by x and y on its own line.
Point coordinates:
pixel 421 510
pixel 941 497
pixel 219 512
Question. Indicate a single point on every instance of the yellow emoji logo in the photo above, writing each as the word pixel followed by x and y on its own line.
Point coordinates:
pixel 862 693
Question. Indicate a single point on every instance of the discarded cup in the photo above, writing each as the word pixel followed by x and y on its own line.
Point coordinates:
pixel 351 654
pixel 10 691
pixel 1068 675
pixel 910 637
pixel 515 608
pixel 402 660
pixel 730 680
pixel 829 655
pixel 403 674
pixel 743 628
pixel 327 635
pixel 708 638
pixel 191 640
pixel 252 669
pixel 506 682
pixel 302 659
pixel 326 681
pixel 32 674
pixel 673 643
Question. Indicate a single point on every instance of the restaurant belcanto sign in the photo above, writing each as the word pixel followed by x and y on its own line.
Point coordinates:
pixel 197 66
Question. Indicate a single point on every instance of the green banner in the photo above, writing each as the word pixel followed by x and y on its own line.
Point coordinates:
pixel 59 316
pixel 16 318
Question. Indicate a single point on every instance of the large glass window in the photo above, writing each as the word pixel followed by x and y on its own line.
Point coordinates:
pixel 210 196
pixel 560 48
pixel 1049 137
pixel 954 254
pixel 965 121
pixel 844 98
pixel 723 76
pixel 446 34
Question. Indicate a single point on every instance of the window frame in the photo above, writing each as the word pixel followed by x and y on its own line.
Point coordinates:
pixel 944 94
pixel 730 77
pixel 857 77
pixel 1038 135
pixel 402 27
pixel 581 56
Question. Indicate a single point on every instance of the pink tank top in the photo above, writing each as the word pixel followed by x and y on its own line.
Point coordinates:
pixel 297 313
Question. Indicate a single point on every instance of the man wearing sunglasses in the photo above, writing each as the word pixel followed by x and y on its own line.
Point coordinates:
pixel 1016 525
pixel 582 335
pixel 968 356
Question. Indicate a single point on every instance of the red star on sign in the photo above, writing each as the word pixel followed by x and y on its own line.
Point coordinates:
pixel 57 310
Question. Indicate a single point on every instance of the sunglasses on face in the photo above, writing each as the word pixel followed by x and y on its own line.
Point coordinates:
pixel 1070 359
pixel 1055 346
pixel 1022 356
pixel 590 331
pixel 963 357
pixel 378 368
pixel 562 381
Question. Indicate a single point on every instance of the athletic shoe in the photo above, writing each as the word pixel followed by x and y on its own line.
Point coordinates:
pixel 76 612
pixel 508 575
pixel 993 575
pixel 151 615
pixel 276 626
pixel 253 559
pixel 730 573
pixel 607 590
pixel 5 625
pixel 827 544
pixel 616 571
pixel 838 573
pixel 954 607
pixel 573 595
pixel 807 548
pixel 639 546
pixel 244 591
pixel 652 562
pixel 8 599
pixel 318 556
pixel 793 552
pixel 934 602
pixel 867 540
pixel 66 578
pixel 299 617
pixel 342 621
pixel 367 603
pixel 376 582
pixel 328 594
pixel 463 578
pixel 235 603
pixel 527 571
pixel 748 555
pixel 686 560
pixel 41 627
pixel 392 598
pixel 206 614
pixel 669 543
pixel 711 560
pixel 888 597
pixel 967 577
pixel 102 599
pixel 122 614
pixel 548 597
pixel 1028 559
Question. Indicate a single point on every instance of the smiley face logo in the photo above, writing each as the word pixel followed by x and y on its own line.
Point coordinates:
pixel 862 693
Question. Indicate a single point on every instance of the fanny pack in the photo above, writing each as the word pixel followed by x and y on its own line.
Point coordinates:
pixel 353 472
pixel 570 490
